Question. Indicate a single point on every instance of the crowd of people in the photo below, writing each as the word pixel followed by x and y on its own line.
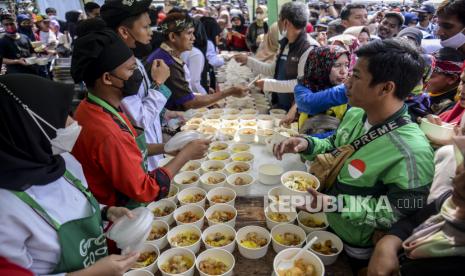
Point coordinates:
pixel 357 79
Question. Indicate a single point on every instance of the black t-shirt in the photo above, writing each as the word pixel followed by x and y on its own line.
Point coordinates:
pixel 11 48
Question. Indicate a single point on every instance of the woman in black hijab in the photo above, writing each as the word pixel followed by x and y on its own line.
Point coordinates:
pixel 45 207
pixel 213 30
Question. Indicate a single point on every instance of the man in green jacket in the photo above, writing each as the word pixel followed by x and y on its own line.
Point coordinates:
pixel 389 177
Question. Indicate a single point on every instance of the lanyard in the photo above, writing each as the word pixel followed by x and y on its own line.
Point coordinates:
pixel 73 181
pixel 110 108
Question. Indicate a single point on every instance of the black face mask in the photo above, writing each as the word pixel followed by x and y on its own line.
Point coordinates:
pixel 131 86
pixel 142 50
pixel 422 17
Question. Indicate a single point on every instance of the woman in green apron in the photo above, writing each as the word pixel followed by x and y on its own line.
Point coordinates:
pixel 51 223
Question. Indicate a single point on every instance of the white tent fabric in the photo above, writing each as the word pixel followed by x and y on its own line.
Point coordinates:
pixel 62 6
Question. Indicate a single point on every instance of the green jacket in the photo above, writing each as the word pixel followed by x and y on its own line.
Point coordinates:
pixel 398 165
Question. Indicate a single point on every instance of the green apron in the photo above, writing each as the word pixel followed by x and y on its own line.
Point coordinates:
pixel 140 140
pixel 82 241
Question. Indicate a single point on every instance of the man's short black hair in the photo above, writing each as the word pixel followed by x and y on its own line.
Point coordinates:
pixel 347 9
pixel 295 12
pixel 50 10
pixel 129 22
pixel 393 60
pixel 90 6
pixel 453 8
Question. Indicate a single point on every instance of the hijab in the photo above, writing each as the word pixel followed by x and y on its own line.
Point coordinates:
pixel 227 18
pixel 25 152
pixel 318 67
pixel 240 28
pixel 268 49
pixel 212 28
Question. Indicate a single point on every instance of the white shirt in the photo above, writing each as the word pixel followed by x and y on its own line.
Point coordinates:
pixel 213 58
pixel 48 38
pixel 143 109
pixel 25 238
pixel 268 69
pixel 195 62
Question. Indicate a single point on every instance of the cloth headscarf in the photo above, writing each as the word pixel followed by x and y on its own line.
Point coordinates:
pixel 260 22
pixel 239 29
pixel 350 43
pixel 318 66
pixel 25 31
pixel 268 49
pixel 212 28
pixel 96 53
pixel 25 152
pixel 449 61
pixel 226 17
pixel 454 116
pixel 356 30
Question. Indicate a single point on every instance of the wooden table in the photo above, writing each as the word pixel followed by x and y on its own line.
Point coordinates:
pixel 250 212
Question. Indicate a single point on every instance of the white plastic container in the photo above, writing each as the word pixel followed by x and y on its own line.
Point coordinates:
pixel 247 135
pixel 195 248
pixel 285 209
pixel 320 217
pixel 221 155
pixel 322 237
pixel 221 191
pixel 221 207
pixel 270 174
pixel 162 204
pixel 174 196
pixel 181 177
pixel 178 251
pixel 265 122
pixel 195 209
pixel 243 157
pixel 130 234
pixel 278 195
pixel 138 273
pixel 149 247
pixel 278 112
pixel 305 175
pixel 212 166
pixel 219 255
pixel 286 228
pixel 191 192
pixel 218 146
pixel 191 166
pixel 438 132
pixel 263 134
pixel 162 242
pixel 236 148
pixel 245 167
pixel 207 186
pixel 222 229
pixel 241 190
pixel 307 256
pixel 252 253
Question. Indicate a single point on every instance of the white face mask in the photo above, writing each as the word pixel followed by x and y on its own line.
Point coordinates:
pixel 455 41
pixel 260 16
pixel 66 137
pixel 282 34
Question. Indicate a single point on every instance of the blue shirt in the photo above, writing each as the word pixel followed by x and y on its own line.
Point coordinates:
pixel 317 102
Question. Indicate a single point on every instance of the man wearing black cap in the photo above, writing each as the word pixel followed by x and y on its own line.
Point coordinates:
pixel 178 31
pixel 112 152
pixel 131 21
pixel 425 15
